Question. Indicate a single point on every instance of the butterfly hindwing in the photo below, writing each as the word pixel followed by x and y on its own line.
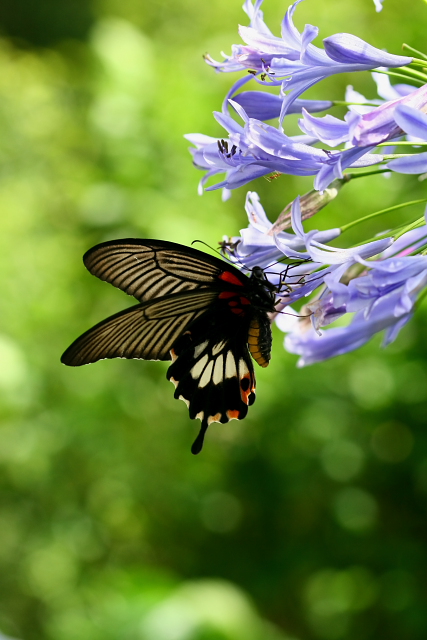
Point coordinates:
pixel 214 376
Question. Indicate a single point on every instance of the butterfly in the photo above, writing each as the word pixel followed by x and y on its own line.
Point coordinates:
pixel 194 309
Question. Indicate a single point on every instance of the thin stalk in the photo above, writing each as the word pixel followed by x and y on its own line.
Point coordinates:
pixel 380 213
pixel 401 75
pixel 418 223
pixel 418 63
pixel 364 174
pixel 401 143
pixel 418 53
pixel 393 156
pixel 343 103
pixel 415 74
pixel 390 233
pixel 421 251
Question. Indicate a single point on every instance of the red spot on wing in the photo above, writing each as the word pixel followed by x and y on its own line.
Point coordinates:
pixel 227 294
pixel 244 300
pixel 237 311
pixel 227 276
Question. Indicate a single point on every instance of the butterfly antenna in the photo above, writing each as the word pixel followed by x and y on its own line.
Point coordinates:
pixel 198 443
pixel 213 249
pixel 206 245
pixel 294 315
pixel 220 253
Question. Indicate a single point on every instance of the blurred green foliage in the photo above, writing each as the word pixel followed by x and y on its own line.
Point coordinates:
pixel 308 519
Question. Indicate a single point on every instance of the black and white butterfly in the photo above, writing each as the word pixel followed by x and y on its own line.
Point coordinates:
pixel 194 309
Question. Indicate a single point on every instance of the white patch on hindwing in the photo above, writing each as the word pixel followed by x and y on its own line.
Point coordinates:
pixel 213 365
pixel 205 379
pixel 230 366
pixel 218 370
pixel 243 367
pixel 218 348
pixel 200 348
pixel 197 370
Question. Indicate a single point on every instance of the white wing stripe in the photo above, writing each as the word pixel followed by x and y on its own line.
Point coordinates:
pixel 200 348
pixel 230 366
pixel 198 368
pixel 218 373
pixel 206 377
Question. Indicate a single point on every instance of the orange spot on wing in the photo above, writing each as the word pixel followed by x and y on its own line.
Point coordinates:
pixel 233 415
pixel 227 276
pixel 245 393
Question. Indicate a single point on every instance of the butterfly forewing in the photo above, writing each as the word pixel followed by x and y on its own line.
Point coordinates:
pixel 148 269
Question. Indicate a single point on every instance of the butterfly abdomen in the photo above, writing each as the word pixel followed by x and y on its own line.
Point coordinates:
pixel 259 340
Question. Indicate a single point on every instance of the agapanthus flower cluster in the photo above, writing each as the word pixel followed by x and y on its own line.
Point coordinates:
pixel 364 289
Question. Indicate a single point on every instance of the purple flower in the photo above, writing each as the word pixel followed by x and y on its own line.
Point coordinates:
pixel 328 129
pixel 259 246
pixel 316 262
pixel 312 347
pixel 414 123
pixel 293 61
pixel 257 149
pixel 382 298
pixel 375 125
pixel 380 125
pixel 266 106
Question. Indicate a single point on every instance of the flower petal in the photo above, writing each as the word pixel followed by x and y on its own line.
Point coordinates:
pixel 348 49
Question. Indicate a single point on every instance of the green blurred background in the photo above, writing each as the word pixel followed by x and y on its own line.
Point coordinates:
pixel 305 521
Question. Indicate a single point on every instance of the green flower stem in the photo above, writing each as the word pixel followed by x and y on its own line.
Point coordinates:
pixel 380 213
pixel 364 174
pixel 421 251
pixel 393 156
pixel 403 76
pixel 414 73
pixel 387 234
pixel 343 103
pixel 418 63
pixel 418 53
pixel 418 223
pixel 401 143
